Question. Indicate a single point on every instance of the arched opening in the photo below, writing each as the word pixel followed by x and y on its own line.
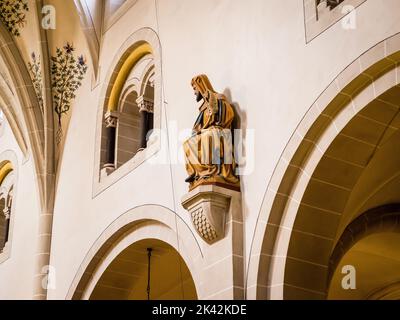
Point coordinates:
pixel 142 227
pixel 341 162
pixel 126 278
pixel 137 68
pixel 129 118
pixel 357 172
pixel 365 263
pixel 6 197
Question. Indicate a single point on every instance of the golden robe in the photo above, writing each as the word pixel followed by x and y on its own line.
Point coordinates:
pixel 209 152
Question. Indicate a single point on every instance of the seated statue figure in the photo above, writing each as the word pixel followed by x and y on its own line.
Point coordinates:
pixel 209 151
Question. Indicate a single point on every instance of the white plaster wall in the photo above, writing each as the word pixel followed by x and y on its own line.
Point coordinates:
pixel 253 50
pixel 16 273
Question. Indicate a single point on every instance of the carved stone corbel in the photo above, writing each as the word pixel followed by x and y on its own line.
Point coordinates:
pixel 208 208
pixel 111 119
pixel 145 104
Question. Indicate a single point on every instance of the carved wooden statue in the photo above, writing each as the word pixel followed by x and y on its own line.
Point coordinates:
pixel 209 152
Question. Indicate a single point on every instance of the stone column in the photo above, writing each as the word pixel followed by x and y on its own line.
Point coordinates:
pixel 111 121
pixel 146 110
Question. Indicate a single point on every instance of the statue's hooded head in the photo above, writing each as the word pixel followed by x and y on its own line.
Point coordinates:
pixel 202 85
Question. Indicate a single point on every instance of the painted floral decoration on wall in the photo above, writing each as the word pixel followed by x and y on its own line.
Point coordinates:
pixel 35 69
pixel 13 14
pixel 67 73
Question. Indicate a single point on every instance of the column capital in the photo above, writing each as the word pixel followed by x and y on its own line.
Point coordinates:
pixel 145 104
pixel 111 119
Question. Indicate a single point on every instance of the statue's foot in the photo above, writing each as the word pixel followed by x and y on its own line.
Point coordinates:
pixel 190 179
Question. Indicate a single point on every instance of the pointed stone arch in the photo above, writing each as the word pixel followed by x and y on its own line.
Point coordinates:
pixel 371 77
pixel 10 113
pixel 34 133
pixel 144 222
pixel 18 99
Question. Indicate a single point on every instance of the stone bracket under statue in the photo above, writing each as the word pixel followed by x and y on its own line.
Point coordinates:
pixel 210 207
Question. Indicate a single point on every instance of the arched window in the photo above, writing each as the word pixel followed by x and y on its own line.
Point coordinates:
pixel 6 198
pixel 128 129
pixel 131 110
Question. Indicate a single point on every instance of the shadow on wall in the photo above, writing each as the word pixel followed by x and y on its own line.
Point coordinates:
pixel 240 122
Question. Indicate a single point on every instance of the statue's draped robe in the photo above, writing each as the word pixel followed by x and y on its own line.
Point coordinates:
pixel 209 152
